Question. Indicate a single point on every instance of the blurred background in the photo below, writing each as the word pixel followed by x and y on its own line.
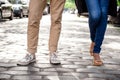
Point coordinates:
pixel 20 8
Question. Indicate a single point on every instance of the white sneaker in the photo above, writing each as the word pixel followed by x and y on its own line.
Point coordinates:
pixel 54 59
pixel 29 58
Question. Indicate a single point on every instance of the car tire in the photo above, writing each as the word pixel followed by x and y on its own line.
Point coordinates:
pixel 48 10
pixel 26 15
pixel 21 15
pixel 0 15
pixel 12 15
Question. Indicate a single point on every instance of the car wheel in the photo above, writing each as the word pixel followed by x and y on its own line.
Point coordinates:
pixel 12 15
pixel 21 15
pixel 26 15
pixel 48 10
pixel 0 15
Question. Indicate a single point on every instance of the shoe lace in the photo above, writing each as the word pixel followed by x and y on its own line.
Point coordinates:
pixel 28 57
pixel 54 57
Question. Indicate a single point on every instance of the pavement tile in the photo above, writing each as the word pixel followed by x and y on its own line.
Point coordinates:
pixel 24 68
pixel 104 76
pixel 30 77
pixel 61 78
pixel 84 70
pixel 5 77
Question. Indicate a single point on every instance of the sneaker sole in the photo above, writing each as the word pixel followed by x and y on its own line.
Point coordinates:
pixel 55 63
pixel 22 64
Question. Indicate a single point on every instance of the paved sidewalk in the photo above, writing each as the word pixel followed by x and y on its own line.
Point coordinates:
pixel 73 51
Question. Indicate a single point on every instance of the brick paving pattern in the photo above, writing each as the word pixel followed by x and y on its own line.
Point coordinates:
pixel 76 63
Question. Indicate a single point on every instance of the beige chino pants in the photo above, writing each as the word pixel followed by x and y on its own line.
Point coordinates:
pixel 36 8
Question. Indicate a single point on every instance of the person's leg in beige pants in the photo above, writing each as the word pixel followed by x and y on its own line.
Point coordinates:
pixel 36 9
pixel 56 10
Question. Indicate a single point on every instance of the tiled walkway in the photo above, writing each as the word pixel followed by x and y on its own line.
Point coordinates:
pixel 76 63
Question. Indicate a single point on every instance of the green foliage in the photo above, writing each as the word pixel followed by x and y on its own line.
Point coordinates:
pixel 118 2
pixel 70 1
pixel 70 4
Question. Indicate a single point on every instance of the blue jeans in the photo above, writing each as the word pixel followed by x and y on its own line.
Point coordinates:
pixel 98 11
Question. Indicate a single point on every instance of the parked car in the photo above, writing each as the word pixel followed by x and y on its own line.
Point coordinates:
pixel 0 12
pixel 47 9
pixel 6 10
pixel 20 9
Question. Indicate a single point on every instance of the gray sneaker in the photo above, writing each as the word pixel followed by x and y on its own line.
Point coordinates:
pixel 29 58
pixel 54 59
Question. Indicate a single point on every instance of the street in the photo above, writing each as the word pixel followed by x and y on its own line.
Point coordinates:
pixel 73 49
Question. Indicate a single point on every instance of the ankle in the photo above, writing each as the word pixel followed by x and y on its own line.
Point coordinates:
pixel 33 54
pixel 92 47
pixel 96 56
pixel 52 52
